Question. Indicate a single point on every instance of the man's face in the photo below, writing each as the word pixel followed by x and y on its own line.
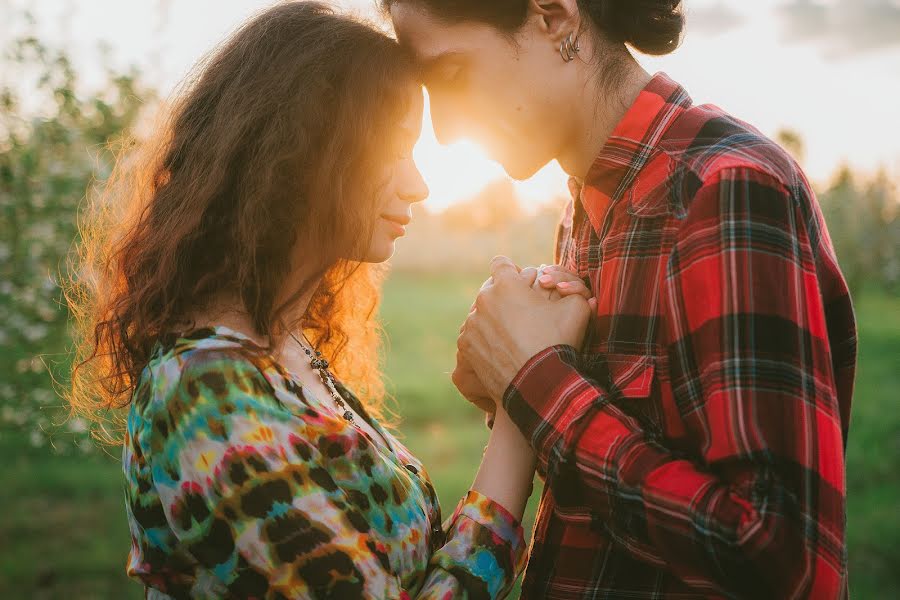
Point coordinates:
pixel 488 86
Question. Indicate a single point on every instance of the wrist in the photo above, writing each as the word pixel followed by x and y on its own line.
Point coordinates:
pixel 570 354
pixel 519 361
pixel 507 468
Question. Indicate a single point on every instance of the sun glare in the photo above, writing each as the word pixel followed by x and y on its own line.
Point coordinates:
pixel 458 171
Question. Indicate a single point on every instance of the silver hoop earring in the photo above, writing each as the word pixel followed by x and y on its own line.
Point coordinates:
pixel 569 47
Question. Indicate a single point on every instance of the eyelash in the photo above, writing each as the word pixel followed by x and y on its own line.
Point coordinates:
pixel 442 80
pixel 456 77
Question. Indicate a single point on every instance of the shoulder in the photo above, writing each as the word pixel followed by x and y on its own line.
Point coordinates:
pixel 708 146
pixel 209 370
pixel 208 400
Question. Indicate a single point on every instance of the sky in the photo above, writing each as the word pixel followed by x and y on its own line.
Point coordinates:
pixel 828 69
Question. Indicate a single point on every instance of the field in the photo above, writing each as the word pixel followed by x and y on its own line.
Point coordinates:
pixel 62 524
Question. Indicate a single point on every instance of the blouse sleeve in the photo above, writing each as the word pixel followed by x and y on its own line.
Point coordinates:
pixel 483 552
pixel 249 497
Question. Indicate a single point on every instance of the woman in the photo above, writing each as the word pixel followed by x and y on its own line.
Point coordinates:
pixel 230 309
pixel 694 447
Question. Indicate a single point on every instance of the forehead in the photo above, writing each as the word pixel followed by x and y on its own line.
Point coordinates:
pixel 412 119
pixel 430 37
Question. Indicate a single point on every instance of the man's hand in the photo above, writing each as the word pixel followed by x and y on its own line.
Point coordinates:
pixel 512 321
pixel 470 386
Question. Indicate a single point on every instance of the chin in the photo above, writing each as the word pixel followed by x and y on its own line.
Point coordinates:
pixel 520 170
pixel 380 252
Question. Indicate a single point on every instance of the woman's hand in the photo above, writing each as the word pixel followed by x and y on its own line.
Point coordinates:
pixel 560 282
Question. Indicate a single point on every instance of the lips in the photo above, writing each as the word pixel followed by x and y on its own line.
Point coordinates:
pixel 401 220
pixel 397 223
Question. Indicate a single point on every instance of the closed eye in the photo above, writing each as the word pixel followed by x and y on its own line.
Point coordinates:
pixel 452 74
pixel 445 73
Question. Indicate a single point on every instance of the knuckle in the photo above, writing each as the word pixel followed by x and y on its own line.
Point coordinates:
pixel 481 302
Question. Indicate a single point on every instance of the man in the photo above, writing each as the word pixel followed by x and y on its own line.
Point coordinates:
pixel 693 444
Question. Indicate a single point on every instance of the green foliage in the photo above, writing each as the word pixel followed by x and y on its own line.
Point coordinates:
pixel 864 223
pixel 48 160
pixel 863 220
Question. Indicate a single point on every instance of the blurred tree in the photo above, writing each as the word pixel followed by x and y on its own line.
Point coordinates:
pixel 881 201
pixel 865 229
pixel 494 208
pixel 792 141
pixel 862 219
pixel 845 226
pixel 55 139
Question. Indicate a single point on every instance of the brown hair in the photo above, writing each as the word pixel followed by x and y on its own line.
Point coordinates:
pixel 275 145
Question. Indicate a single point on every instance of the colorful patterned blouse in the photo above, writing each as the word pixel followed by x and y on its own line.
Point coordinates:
pixel 238 485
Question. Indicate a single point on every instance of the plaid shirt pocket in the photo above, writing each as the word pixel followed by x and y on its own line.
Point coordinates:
pixel 630 379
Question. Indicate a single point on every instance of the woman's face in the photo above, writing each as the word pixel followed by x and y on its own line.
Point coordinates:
pixel 404 186
pixel 506 94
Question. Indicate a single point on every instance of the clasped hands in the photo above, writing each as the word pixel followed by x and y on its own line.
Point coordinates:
pixel 517 314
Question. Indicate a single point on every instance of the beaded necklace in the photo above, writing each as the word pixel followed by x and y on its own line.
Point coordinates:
pixel 320 366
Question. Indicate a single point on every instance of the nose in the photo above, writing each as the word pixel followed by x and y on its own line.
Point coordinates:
pixel 414 189
pixel 443 118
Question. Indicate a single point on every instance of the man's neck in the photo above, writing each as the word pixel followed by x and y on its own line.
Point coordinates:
pixel 598 117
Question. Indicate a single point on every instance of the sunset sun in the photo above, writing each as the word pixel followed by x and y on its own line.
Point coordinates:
pixel 456 172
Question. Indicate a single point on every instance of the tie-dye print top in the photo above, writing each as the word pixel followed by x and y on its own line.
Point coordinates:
pixel 239 486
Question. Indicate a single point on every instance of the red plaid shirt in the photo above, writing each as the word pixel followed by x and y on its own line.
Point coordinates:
pixel 695 445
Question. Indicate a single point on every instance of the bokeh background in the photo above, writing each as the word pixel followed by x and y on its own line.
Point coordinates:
pixel 823 78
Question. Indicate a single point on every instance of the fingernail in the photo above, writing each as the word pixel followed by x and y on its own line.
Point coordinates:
pixel 563 284
pixel 546 279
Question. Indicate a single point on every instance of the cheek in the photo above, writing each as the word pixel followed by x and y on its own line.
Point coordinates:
pixel 381 246
pixel 385 193
pixel 511 108
pixel 532 85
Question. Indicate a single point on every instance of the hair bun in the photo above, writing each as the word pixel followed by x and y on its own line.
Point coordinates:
pixel 650 26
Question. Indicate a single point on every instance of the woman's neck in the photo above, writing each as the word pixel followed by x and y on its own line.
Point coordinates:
pixel 597 117
pixel 228 310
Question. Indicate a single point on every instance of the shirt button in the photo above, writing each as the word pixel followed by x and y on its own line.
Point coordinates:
pixel 412 469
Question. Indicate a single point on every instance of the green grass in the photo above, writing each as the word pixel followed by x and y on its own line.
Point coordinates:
pixel 873 453
pixel 62 523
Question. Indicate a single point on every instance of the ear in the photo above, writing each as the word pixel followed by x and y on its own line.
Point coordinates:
pixel 556 18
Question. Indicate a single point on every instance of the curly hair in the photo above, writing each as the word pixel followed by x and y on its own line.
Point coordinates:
pixel 273 147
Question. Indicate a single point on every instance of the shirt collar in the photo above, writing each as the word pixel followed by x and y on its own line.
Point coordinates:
pixel 632 146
